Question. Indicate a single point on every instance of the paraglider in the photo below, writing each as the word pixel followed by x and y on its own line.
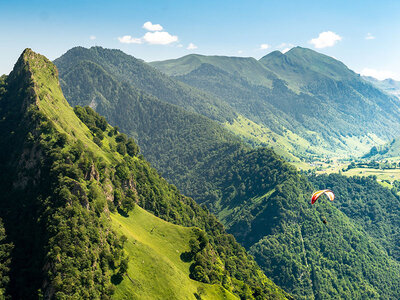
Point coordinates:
pixel 317 194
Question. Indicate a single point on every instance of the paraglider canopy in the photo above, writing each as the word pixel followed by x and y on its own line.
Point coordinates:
pixel 317 194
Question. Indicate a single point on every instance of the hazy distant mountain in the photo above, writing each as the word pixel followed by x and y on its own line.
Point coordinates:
pixel 392 148
pixel 388 85
pixel 302 93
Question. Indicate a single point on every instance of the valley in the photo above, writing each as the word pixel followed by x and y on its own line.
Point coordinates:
pixel 242 170
pixel 199 150
pixel 70 175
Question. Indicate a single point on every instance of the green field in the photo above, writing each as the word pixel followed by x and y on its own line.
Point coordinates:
pixel 156 270
pixel 390 174
pixel 382 176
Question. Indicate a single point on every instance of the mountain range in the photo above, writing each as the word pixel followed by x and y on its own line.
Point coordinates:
pixel 84 216
pixel 261 199
pixel 311 100
pixel 388 85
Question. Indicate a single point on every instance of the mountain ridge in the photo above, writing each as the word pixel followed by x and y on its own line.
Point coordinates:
pixel 130 70
pixel 68 173
pixel 264 202
pixel 317 97
pixel 388 85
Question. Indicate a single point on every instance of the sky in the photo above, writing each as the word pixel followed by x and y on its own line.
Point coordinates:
pixel 363 34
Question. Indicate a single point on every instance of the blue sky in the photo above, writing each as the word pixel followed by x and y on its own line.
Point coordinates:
pixel 365 35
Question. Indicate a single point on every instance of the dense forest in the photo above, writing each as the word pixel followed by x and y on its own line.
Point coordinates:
pixel 261 199
pixel 373 207
pixel 66 172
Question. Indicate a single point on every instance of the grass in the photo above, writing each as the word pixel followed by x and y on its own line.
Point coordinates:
pixel 52 102
pixel 156 270
pixel 389 174
pixel 261 135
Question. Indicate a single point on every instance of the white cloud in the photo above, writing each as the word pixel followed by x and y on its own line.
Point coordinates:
pixel 379 74
pixel 159 38
pixel 154 36
pixel 92 37
pixel 326 39
pixel 240 51
pixel 264 46
pixel 191 46
pixel 180 46
pixel 369 36
pixel 152 27
pixel 127 39
pixel 285 47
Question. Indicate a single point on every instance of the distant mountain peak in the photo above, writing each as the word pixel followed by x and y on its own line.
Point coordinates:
pixel 273 54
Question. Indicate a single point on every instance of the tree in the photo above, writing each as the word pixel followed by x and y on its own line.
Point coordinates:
pixel 121 148
pixel 131 147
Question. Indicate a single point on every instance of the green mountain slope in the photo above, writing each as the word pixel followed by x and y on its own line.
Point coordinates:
pixel 157 247
pixel 312 95
pixel 371 206
pixel 262 200
pixel 173 140
pixel 65 175
pixel 128 69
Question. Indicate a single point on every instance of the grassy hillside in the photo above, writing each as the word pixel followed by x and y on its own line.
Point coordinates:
pixel 385 151
pixel 158 247
pixel 259 135
pixel 67 174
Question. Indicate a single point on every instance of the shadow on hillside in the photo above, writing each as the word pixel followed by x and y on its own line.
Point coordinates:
pixel 123 213
pixel 116 279
pixel 187 256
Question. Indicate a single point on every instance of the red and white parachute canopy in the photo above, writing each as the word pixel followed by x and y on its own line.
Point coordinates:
pixel 316 195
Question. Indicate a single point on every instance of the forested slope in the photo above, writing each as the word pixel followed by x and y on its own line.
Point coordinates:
pixel 70 181
pixel 261 199
pixel 127 69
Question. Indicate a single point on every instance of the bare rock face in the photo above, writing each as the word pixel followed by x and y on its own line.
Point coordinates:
pixel 108 190
pixel 93 174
